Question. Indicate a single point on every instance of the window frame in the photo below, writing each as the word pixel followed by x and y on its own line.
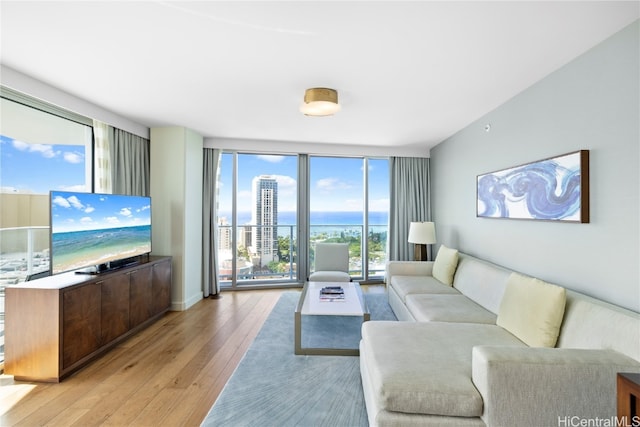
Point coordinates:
pixel 303 225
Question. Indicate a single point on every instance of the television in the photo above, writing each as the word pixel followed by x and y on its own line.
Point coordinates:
pixel 92 233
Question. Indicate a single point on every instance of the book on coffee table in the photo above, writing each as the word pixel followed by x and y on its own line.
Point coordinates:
pixel 332 293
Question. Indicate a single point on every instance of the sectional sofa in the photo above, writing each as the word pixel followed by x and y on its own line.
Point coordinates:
pixel 480 345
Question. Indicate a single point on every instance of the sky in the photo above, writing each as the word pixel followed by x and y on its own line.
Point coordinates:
pixel 90 211
pixel 38 168
pixel 336 183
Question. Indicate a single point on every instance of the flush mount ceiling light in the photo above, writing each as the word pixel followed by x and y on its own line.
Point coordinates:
pixel 320 101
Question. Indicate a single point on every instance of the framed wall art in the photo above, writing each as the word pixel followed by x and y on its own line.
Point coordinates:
pixel 554 189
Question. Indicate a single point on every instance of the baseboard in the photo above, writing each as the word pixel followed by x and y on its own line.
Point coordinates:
pixel 185 305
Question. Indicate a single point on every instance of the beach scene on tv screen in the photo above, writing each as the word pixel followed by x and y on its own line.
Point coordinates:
pixel 91 229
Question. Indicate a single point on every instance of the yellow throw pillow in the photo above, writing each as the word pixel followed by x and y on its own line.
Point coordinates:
pixel 532 310
pixel 445 265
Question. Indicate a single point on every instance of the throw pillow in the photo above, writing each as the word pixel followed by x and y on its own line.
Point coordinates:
pixel 532 310
pixel 445 265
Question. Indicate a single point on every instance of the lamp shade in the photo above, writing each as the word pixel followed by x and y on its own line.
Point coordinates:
pixel 422 233
pixel 320 101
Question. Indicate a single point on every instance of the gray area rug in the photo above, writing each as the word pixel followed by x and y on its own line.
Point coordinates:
pixel 273 387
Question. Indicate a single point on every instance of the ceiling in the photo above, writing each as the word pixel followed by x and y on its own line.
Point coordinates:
pixel 408 74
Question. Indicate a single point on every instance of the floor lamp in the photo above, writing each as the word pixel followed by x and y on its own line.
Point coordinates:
pixel 421 234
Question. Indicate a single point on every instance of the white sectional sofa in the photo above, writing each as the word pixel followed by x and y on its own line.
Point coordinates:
pixel 479 345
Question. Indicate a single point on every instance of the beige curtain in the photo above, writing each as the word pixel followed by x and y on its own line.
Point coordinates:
pixel 102 157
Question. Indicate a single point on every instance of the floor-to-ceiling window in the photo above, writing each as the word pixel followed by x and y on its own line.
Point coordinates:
pixel 349 203
pixel 377 217
pixel 257 217
pixel 41 148
pixel 260 216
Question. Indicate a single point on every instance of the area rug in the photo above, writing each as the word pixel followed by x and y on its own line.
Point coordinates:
pixel 273 387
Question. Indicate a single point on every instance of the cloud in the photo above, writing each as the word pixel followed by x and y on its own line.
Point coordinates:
pixel 271 159
pixel 125 212
pixel 74 158
pixel 72 201
pixel 332 184
pixel 61 201
pixel 112 220
pixel 86 220
pixel 19 145
pixel 45 150
pixel 75 202
pixel 286 184
pixel 78 188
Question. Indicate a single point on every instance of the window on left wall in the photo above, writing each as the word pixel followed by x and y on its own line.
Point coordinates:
pixel 42 148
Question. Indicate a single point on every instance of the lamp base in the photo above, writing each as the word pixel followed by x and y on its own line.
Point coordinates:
pixel 420 252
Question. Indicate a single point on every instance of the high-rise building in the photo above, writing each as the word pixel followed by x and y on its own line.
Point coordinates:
pixel 264 217
pixel 224 234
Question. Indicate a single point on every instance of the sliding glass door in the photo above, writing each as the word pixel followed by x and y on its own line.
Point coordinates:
pixel 349 203
pixel 267 203
pixel 257 219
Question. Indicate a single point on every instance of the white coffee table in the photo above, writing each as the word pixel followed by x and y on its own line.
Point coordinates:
pixel 310 305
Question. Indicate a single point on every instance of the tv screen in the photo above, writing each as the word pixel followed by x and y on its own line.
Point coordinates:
pixel 94 230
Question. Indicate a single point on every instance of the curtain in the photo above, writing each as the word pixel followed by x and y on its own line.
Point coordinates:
pixel 211 285
pixel 102 157
pixel 130 164
pixel 410 200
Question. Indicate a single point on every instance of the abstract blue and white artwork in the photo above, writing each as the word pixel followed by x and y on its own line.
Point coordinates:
pixel 555 189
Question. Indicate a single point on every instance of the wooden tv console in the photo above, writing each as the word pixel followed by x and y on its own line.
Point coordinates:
pixel 57 324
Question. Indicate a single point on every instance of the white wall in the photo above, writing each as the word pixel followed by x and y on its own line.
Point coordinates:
pixel 592 103
pixel 176 197
pixel 37 89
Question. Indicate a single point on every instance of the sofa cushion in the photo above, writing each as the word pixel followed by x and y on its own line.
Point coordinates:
pixel 425 367
pixel 595 324
pixel 532 310
pixel 447 308
pixel 481 281
pixel 406 285
pixel 445 265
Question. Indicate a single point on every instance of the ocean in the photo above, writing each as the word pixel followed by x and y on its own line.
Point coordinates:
pixel 323 223
pixel 320 218
pixel 77 249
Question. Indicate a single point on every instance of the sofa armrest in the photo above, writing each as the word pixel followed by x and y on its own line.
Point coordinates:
pixel 547 386
pixel 408 268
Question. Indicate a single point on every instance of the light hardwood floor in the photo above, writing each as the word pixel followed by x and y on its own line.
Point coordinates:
pixel 169 374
